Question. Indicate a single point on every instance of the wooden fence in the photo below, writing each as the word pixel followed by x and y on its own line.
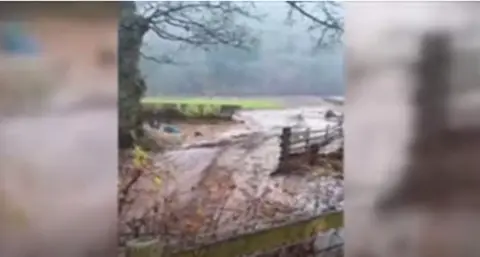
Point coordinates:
pixel 306 141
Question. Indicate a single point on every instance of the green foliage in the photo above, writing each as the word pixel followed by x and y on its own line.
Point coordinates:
pixel 202 108
pixel 140 157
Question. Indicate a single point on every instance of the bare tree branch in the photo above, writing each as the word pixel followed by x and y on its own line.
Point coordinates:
pixel 326 24
pixel 163 59
pixel 196 24
pixel 201 24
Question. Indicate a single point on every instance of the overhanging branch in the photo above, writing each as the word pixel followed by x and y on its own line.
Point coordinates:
pixel 329 24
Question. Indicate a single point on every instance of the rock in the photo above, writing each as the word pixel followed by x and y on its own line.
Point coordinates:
pixel 172 129
pixel 329 114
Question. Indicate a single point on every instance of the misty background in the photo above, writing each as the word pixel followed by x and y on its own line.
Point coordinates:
pixel 284 61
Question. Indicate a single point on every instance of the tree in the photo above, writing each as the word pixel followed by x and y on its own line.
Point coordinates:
pixel 325 17
pixel 195 24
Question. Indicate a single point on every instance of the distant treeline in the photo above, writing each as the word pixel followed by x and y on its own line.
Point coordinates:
pixel 228 72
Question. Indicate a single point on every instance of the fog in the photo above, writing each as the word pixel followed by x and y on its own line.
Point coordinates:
pixel 286 61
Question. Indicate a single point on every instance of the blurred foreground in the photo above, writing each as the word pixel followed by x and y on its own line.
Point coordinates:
pixel 58 140
pixel 411 134
pixel 57 167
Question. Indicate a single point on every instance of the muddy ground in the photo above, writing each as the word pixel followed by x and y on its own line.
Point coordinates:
pixel 222 188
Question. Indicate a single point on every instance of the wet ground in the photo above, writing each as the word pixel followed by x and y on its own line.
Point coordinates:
pixel 214 189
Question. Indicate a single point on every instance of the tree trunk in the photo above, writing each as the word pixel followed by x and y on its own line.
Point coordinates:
pixel 131 85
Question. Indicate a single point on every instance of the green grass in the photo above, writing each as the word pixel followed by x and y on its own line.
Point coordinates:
pixel 244 103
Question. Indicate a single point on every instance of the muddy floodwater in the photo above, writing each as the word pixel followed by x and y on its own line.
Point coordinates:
pixel 220 183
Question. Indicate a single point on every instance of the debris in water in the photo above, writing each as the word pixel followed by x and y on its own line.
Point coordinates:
pixel 172 129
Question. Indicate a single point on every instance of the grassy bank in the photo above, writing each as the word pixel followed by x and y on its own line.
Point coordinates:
pixel 243 103
pixel 210 108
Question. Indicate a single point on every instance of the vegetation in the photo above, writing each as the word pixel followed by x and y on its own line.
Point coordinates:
pixel 202 108
pixel 197 24
pixel 205 26
pixel 195 101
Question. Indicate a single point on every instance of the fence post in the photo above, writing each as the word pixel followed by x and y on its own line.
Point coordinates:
pixel 144 248
pixel 313 154
pixel 327 132
pixel 307 139
pixel 284 147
